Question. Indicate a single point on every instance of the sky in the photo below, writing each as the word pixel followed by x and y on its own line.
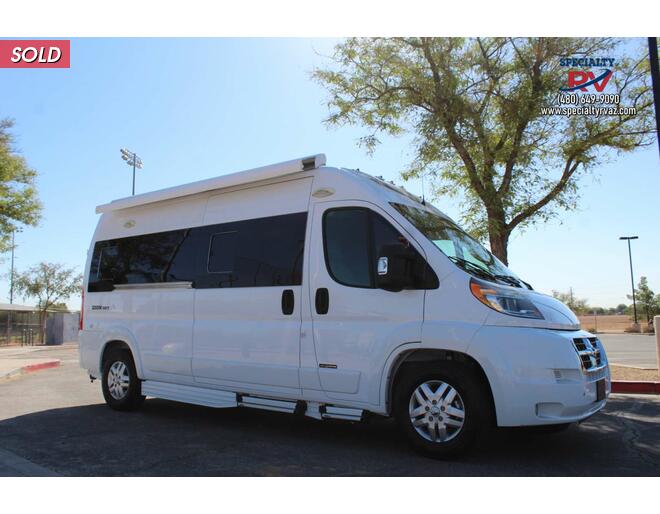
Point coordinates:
pixel 198 108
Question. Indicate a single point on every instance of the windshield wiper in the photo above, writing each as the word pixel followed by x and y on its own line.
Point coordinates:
pixel 484 273
pixel 473 267
pixel 510 280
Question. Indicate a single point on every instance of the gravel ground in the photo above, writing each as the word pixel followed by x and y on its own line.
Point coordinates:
pixel 630 373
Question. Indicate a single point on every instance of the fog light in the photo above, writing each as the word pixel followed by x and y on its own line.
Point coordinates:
pixel 549 410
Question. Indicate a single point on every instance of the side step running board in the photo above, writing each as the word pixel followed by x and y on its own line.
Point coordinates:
pixel 332 412
pixel 189 394
pixel 256 402
pixel 226 399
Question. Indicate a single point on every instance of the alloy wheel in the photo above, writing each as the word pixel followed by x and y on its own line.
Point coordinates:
pixel 118 380
pixel 436 411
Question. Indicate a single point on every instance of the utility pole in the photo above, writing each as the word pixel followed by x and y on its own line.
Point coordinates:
pixel 632 279
pixel 11 288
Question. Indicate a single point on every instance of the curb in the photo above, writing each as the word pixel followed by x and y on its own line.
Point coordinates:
pixel 635 387
pixel 31 368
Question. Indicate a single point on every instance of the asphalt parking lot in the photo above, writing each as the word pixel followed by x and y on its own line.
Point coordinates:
pixel 630 349
pixel 54 422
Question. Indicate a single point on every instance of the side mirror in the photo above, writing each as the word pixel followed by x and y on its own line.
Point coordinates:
pixel 394 267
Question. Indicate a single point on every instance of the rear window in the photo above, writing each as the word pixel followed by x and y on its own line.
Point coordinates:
pixel 144 259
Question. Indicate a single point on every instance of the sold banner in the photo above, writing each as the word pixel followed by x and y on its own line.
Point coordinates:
pixel 35 53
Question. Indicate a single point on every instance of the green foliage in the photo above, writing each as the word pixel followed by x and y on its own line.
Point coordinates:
pixel 50 284
pixel 474 107
pixel 19 203
pixel 648 303
pixel 577 305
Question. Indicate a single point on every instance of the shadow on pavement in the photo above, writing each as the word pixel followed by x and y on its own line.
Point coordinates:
pixel 167 438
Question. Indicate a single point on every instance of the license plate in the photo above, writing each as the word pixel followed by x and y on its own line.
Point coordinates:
pixel 600 390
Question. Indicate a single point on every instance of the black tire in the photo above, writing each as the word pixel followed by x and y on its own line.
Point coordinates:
pixel 132 397
pixel 472 396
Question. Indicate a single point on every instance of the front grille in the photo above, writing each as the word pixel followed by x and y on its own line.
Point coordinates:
pixel 588 349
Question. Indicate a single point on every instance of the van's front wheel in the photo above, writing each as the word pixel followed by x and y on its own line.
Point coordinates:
pixel 121 386
pixel 441 408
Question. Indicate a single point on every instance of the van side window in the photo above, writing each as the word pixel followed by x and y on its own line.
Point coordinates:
pixel 263 252
pixel 352 239
pixel 260 252
pixel 182 267
pixel 222 252
pixel 108 265
pixel 346 235
pixel 144 259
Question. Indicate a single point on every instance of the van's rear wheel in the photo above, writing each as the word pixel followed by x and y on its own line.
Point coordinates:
pixel 121 386
pixel 441 408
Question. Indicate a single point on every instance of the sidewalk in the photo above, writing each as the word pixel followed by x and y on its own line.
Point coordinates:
pixel 15 360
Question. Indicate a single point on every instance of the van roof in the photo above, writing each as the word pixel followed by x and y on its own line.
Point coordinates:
pixel 233 179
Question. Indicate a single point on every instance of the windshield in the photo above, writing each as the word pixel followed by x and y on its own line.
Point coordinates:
pixel 458 246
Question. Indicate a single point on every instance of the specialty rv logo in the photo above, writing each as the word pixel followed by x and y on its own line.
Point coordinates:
pixel 583 79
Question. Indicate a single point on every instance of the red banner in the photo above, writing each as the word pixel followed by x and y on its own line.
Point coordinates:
pixel 35 53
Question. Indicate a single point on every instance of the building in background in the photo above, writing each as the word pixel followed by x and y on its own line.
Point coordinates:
pixel 19 325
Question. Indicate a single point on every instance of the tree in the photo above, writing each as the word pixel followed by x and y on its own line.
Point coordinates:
pixel 19 203
pixel 577 305
pixel 50 284
pixel 646 299
pixel 475 106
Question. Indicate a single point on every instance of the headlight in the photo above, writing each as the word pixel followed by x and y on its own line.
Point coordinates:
pixel 503 300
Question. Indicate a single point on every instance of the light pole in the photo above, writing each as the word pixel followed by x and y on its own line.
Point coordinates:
pixel 131 159
pixel 632 279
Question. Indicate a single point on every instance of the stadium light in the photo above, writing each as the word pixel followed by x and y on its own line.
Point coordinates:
pixel 131 159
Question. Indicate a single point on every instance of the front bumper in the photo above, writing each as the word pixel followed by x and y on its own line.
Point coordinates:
pixel 537 376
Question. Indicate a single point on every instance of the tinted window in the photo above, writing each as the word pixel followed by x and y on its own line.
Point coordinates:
pixel 346 238
pixel 353 239
pixel 262 252
pixel 222 252
pixel 183 265
pixel 385 234
pixel 145 259
pixel 252 253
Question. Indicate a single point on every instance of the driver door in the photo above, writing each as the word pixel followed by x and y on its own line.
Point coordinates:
pixel 355 325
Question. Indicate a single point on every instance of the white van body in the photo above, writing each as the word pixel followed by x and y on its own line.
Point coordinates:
pixel 228 343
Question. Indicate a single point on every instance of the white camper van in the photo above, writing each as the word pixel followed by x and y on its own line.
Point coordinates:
pixel 328 293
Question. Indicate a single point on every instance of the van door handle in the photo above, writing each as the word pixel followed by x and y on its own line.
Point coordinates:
pixel 322 300
pixel 287 301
